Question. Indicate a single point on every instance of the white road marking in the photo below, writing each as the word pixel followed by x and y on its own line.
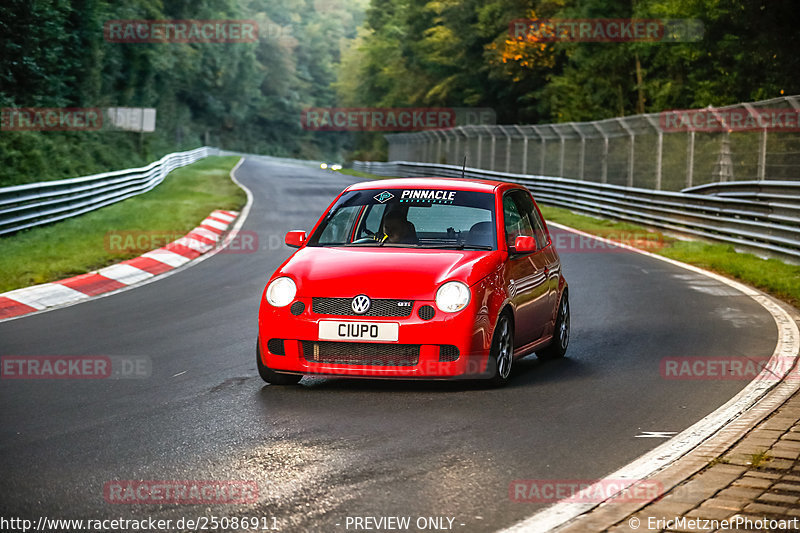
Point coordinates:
pixel 45 295
pixel 207 233
pixel 194 244
pixel 168 257
pixel 125 274
pixel 667 453
pixel 655 434
pixel 215 224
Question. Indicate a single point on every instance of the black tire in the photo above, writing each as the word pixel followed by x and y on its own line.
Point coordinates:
pixel 558 347
pixel 269 375
pixel 501 355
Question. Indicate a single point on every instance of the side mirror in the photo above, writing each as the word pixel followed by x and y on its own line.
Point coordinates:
pixel 524 245
pixel 296 238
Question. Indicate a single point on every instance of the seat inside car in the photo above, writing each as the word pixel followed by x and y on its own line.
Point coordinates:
pixel 480 234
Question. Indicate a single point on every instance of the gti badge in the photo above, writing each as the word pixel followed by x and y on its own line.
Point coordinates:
pixel 360 304
pixel 384 197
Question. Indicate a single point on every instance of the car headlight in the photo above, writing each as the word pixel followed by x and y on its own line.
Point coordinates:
pixel 452 296
pixel 281 292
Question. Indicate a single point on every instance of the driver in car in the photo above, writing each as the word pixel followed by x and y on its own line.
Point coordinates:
pixel 398 229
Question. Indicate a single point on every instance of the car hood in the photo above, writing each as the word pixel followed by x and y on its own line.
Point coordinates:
pixel 384 272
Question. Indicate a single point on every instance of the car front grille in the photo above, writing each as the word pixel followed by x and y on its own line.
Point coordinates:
pixel 361 353
pixel 343 307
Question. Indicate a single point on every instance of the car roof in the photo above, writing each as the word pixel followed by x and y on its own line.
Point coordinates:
pixel 461 184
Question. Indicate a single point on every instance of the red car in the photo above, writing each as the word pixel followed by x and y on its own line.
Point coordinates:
pixel 416 278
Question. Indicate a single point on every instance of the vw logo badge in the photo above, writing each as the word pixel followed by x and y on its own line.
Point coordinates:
pixel 361 304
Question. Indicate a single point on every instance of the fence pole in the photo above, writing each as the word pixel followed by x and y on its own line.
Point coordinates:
pixel 524 150
pixel 631 153
pixel 494 140
pixel 690 160
pixel 508 148
pixel 659 148
pixel 582 159
pixel 543 150
pixel 480 142
pixel 604 173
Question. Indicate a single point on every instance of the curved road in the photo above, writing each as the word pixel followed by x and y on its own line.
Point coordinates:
pixel 333 448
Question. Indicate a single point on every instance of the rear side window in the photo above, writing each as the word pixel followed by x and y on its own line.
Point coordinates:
pixel 517 222
pixel 522 218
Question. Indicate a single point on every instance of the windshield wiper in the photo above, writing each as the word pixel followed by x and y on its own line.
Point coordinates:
pixel 461 246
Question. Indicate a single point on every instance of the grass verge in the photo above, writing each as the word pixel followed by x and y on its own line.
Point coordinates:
pixel 78 245
pixel 772 276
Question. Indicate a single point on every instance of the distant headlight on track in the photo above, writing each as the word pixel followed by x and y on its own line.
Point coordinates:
pixel 336 167
pixel 452 296
pixel 323 165
pixel 281 292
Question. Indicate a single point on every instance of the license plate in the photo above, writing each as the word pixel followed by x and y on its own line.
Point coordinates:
pixel 332 330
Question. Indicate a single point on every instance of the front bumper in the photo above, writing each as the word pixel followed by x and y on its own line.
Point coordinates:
pixel 449 345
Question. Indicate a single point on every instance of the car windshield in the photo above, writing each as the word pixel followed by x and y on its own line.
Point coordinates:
pixel 417 218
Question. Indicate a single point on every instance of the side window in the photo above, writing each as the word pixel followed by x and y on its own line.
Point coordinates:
pixel 529 210
pixel 372 222
pixel 337 228
pixel 541 232
pixel 516 222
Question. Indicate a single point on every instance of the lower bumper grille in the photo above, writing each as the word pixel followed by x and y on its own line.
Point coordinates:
pixel 361 353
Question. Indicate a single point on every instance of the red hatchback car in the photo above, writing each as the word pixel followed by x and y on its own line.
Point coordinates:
pixel 416 278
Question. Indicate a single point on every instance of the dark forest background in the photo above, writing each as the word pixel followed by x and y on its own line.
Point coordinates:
pixel 387 53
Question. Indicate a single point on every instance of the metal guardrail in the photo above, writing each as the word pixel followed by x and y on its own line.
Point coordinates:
pixel 756 222
pixel 35 204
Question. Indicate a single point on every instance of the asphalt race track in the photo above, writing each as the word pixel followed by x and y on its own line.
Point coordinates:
pixel 333 448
